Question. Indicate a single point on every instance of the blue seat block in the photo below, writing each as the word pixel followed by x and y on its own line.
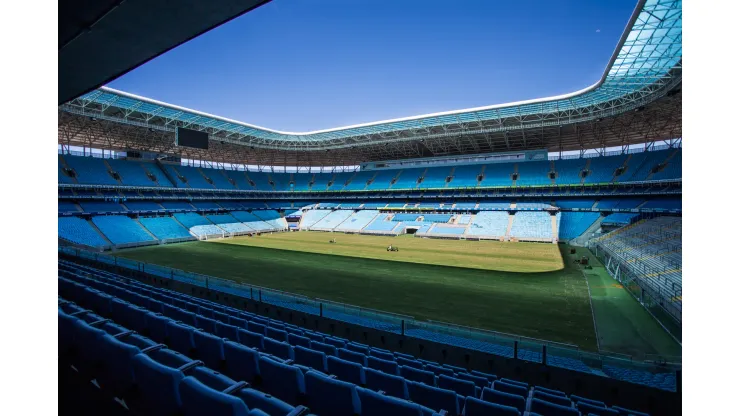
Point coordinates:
pixel 276 334
pixel 227 331
pixel 180 337
pixel 252 339
pixel 409 362
pixel 209 348
pixel 480 382
pixel 510 388
pixel 298 340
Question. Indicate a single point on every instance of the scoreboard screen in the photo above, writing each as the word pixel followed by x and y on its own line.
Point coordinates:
pixel 191 138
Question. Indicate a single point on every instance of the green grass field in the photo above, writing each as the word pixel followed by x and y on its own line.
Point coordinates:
pixel 528 289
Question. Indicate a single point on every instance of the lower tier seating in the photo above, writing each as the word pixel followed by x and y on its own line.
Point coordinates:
pixel 283 367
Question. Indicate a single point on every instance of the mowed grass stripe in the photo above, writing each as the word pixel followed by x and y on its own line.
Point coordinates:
pixel 491 255
pixel 549 305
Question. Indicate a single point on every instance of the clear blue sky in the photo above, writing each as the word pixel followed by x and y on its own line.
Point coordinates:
pixel 301 65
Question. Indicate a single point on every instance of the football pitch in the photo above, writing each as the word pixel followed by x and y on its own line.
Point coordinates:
pixel 528 289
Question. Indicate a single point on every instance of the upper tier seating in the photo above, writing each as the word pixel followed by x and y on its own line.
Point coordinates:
pixel 240 345
pixel 466 176
pixel 408 179
pixel 569 170
pixel 497 174
pixel 79 231
pixel 90 170
pixel 132 173
pixel 120 229
pixel 619 218
pixel 177 205
pixel 383 179
pixel 575 203
pixel 573 224
pixel 532 225
pixel 533 173
pixel 164 227
pixel 143 206
pixel 435 177
pixel 668 203
pixel 601 169
pixel 489 224
pixel 66 206
pixel 100 206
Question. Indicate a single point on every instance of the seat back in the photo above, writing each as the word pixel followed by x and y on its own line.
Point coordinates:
pixel 385 366
pixel 421 376
pixel 462 387
pixel 158 385
pixel 310 358
pixel 345 370
pixel 278 348
pixel 199 399
pixel 251 339
pixel 546 408
pixel 241 362
pixel 283 381
pixel 552 398
pixel 330 396
pixel 510 388
pixel 353 356
pixel 479 381
pixel 327 349
pixel 433 397
pixel 373 403
pixel 477 407
pixel 209 348
pixel 503 398
pixel 296 340
pixel 227 331
pixel 392 385
pixel 590 409
pixel 276 334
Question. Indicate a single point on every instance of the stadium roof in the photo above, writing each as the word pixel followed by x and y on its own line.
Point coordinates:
pixel 644 72
pixel 103 39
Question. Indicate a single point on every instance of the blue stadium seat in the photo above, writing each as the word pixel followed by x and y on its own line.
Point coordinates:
pixel 624 411
pixel 510 388
pixel 477 407
pixel 180 337
pixel 382 354
pixel 227 331
pixel 386 366
pixel 408 362
pixel 284 381
pixel 279 349
pixel 422 376
pixel 353 356
pixel 276 334
pixel 590 409
pixel 348 371
pixel 199 399
pixel 252 339
pixel 480 382
pixel 242 363
pixel 552 398
pixel 543 389
pixel 337 342
pixel 157 385
pixel 503 398
pixel 310 358
pixel 392 385
pixel 209 348
pixel 546 408
pixel 330 396
pixel 433 397
pixel 355 347
pixel 206 324
pixel 256 327
pixel 374 403
pixel 461 387
pixel 438 370
pixel 327 349
pixel 298 340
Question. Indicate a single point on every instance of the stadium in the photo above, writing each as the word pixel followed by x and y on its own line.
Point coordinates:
pixel 521 258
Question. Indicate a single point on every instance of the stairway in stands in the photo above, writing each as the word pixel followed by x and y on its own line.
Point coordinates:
pixel 66 166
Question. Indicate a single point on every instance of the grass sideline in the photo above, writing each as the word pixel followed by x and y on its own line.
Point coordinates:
pixel 550 305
